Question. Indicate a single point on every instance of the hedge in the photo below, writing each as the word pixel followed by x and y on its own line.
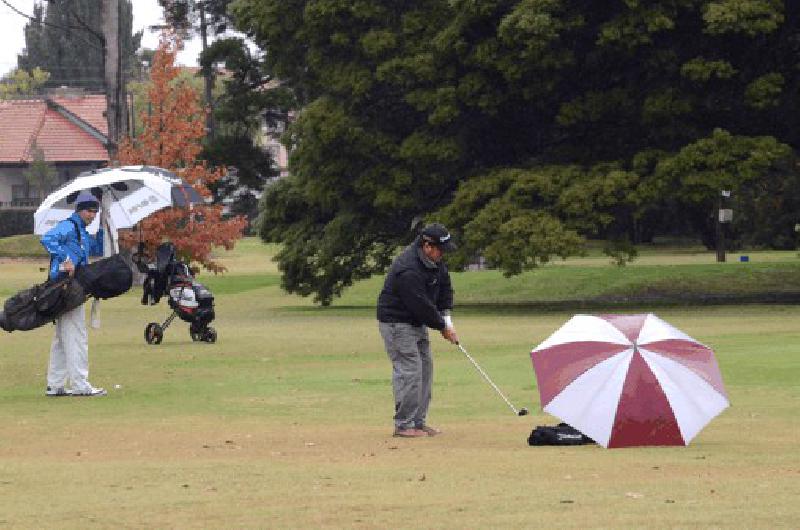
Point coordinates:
pixel 16 222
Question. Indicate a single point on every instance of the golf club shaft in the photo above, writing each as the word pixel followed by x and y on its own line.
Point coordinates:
pixel 475 364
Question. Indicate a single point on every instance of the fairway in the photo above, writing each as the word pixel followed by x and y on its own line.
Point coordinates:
pixel 285 422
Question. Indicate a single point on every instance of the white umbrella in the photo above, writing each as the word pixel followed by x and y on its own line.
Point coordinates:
pixel 129 194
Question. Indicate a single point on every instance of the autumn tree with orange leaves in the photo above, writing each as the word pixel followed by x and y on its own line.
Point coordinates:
pixel 172 136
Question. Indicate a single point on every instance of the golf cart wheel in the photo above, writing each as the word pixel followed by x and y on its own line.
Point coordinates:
pixel 153 333
pixel 197 335
pixel 210 335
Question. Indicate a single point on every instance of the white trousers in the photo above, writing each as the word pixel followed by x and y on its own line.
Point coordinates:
pixel 69 353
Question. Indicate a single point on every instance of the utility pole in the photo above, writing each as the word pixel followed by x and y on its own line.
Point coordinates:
pixel 116 111
pixel 208 74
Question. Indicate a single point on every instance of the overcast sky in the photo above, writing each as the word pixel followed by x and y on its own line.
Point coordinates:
pixel 145 13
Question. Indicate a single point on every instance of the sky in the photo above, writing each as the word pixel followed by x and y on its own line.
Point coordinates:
pixel 145 13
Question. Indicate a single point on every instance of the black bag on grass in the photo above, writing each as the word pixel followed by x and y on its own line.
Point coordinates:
pixel 561 434
pixel 106 278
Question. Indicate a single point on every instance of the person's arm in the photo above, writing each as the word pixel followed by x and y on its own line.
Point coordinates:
pixel 54 242
pixel 55 239
pixel 410 288
pixel 445 301
pixel 96 243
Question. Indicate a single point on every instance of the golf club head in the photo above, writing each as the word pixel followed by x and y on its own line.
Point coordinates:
pixel 523 412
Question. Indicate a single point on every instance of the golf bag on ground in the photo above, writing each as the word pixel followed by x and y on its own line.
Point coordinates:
pixel 190 300
pixel 45 302
pixel 561 434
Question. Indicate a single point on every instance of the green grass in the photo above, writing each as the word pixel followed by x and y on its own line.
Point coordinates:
pixel 285 422
pixel 21 247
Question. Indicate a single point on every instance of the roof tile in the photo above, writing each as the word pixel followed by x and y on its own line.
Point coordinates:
pixel 22 121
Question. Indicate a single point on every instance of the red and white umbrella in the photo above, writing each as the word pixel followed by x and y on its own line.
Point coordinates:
pixel 628 380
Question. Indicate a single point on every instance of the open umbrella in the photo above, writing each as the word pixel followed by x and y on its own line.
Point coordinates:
pixel 628 380
pixel 128 195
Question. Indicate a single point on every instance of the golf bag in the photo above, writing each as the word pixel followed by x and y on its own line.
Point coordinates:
pixel 189 300
pixel 45 302
pixel 561 434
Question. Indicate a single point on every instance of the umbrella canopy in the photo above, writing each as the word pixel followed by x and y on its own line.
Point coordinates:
pixel 128 195
pixel 628 380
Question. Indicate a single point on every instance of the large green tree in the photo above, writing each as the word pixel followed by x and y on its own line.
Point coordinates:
pixel 65 38
pixel 525 124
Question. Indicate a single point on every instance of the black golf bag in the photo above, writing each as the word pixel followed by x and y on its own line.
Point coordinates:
pixel 45 302
pixel 189 300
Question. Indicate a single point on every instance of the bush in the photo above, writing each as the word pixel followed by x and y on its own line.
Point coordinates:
pixel 621 251
pixel 16 222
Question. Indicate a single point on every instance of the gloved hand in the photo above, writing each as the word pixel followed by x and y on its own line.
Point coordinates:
pixel 448 320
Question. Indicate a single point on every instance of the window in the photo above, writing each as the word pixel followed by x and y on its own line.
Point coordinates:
pixel 19 192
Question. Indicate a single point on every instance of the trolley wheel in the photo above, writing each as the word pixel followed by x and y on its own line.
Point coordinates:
pixel 210 335
pixel 153 333
pixel 196 334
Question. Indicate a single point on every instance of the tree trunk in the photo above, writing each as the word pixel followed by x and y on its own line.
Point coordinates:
pixel 208 75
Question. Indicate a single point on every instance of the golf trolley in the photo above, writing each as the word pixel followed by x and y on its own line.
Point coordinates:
pixel 189 300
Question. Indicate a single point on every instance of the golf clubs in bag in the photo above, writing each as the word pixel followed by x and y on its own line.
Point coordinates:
pixel 45 302
pixel 189 300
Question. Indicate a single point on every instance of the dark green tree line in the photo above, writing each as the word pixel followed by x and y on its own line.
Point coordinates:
pixel 65 38
pixel 525 125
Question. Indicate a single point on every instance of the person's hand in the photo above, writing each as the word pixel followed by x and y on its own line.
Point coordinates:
pixel 68 267
pixel 449 333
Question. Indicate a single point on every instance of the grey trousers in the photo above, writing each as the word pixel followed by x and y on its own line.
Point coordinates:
pixel 409 350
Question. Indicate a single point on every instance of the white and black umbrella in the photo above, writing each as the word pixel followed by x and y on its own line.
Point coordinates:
pixel 127 195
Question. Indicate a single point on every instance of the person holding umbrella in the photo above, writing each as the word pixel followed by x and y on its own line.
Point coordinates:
pixel 69 246
pixel 416 295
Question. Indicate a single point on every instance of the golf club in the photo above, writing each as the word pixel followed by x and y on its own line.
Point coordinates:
pixel 519 412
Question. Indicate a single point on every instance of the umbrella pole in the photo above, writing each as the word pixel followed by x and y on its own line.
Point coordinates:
pixel 519 412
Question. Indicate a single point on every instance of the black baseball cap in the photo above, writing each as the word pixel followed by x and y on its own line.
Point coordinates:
pixel 437 234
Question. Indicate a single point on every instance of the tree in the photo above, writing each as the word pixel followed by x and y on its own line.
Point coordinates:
pixel 66 39
pixel 171 139
pixel 19 82
pixel 408 105
pixel 187 16
pixel 39 173
pixel 249 100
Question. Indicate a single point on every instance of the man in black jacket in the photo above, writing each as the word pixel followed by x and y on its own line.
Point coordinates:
pixel 416 295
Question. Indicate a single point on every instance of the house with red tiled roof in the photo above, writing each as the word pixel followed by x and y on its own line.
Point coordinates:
pixel 70 130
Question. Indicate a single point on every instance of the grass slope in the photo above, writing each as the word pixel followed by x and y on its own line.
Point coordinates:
pixel 286 422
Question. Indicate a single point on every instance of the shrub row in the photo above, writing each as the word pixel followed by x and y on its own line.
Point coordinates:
pixel 16 222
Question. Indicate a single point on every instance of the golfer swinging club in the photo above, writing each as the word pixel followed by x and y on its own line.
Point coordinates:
pixel 70 246
pixel 416 295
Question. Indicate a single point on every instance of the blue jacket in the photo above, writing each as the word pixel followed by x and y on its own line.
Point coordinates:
pixel 62 241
